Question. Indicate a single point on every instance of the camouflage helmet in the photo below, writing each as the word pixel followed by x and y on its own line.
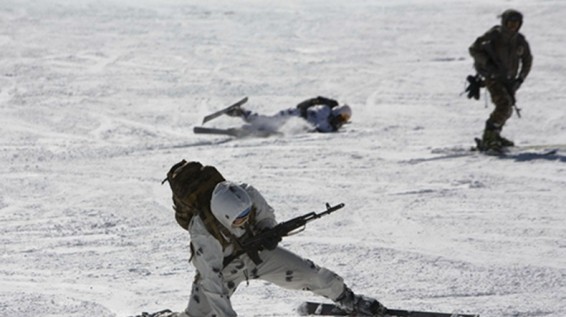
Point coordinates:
pixel 511 15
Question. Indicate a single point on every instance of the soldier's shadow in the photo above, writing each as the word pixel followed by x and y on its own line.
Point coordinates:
pixel 526 157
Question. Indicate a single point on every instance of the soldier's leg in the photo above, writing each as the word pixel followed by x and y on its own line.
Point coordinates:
pixel 288 270
pixel 503 102
pixel 206 303
pixel 267 122
pixel 233 274
pixel 199 304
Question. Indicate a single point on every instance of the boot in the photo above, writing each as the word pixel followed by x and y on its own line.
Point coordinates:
pixel 235 112
pixel 491 141
pixel 505 142
pixel 359 305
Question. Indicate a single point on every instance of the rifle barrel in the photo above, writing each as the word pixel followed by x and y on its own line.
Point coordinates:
pixel 282 229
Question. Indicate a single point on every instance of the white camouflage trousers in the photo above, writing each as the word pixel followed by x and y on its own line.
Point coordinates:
pixel 280 267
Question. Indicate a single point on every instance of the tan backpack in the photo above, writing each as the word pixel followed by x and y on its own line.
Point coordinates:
pixel 192 185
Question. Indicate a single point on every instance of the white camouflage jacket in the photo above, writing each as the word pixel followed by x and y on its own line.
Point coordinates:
pixel 209 254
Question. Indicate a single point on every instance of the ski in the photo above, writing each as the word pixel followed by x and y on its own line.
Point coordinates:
pixel 325 309
pixel 230 132
pixel 223 111
pixel 235 132
pixel 514 151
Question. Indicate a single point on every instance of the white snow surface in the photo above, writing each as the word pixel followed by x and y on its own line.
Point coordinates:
pixel 98 100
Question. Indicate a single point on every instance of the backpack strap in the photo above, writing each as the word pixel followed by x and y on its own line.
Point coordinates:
pixel 305 105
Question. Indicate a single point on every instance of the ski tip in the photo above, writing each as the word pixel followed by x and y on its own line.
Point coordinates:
pixel 206 119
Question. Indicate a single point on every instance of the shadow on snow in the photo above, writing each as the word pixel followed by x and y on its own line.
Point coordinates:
pixel 525 157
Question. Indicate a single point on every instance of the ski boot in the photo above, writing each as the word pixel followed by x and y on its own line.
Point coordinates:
pixel 236 112
pixel 359 305
pixel 505 142
pixel 490 142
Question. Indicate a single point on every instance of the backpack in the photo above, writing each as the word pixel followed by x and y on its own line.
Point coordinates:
pixel 305 105
pixel 192 185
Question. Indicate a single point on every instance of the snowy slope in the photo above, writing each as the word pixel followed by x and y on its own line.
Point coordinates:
pixel 98 100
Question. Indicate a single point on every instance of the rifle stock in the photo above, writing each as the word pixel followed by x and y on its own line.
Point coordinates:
pixel 254 244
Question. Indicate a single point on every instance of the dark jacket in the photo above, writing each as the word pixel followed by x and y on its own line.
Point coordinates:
pixel 502 54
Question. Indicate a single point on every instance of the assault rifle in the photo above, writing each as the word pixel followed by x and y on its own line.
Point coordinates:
pixel 252 245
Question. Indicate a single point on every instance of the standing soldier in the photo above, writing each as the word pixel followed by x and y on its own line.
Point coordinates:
pixel 503 58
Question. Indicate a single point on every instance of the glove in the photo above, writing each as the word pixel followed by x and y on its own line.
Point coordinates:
pixel 474 86
pixel 168 313
pixel 270 242
pixel 517 83
pixel 161 313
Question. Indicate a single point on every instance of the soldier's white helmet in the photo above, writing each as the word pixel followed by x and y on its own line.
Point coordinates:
pixel 343 113
pixel 230 204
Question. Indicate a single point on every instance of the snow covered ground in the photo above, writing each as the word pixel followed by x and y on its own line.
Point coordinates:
pixel 98 100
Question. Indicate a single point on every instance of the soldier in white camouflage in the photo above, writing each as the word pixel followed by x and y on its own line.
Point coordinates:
pixel 321 113
pixel 220 217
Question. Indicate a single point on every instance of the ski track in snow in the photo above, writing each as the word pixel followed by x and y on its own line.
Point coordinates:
pixel 98 100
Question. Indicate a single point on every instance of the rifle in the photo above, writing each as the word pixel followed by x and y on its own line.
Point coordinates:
pixel 252 245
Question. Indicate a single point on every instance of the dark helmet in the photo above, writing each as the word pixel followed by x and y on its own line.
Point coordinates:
pixel 511 15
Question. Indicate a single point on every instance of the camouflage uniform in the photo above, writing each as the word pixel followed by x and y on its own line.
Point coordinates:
pixel 502 56
pixel 208 206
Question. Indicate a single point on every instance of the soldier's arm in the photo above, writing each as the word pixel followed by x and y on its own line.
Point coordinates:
pixel 526 61
pixel 481 52
pixel 477 50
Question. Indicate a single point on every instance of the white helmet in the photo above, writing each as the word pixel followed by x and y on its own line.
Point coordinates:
pixel 343 111
pixel 230 204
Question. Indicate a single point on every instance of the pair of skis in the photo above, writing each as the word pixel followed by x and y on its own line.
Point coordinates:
pixel 225 110
pixel 326 309
pixel 235 132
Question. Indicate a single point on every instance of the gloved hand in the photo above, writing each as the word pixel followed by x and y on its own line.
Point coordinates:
pixel 474 86
pixel 168 313
pixel 271 242
pixel 161 313
pixel 517 83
